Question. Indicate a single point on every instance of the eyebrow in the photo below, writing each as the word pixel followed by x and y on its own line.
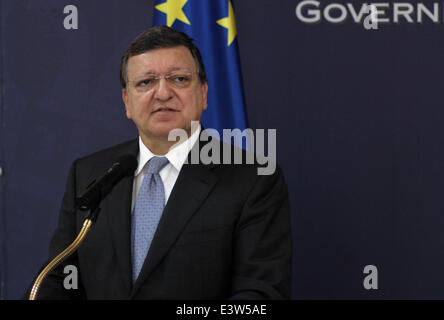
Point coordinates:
pixel 150 72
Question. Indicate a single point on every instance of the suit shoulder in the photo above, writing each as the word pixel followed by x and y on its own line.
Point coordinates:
pixel 245 164
pixel 108 155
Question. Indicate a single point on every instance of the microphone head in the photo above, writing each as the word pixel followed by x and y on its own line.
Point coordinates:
pixel 128 164
pixel 124 166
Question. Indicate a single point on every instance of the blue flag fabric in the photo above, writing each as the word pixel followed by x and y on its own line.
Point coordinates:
pixel 212 25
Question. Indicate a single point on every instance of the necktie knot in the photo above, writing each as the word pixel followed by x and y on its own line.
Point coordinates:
pixel 156 164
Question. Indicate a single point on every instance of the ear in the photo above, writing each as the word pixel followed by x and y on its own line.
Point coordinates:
pixel 125 101
pixel 204 88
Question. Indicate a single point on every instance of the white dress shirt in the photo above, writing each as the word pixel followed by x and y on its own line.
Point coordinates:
pixel 170 172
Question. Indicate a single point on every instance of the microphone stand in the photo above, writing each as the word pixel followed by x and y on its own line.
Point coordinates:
pixel 87 223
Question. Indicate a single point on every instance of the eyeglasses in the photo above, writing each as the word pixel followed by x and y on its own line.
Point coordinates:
pixel 176 79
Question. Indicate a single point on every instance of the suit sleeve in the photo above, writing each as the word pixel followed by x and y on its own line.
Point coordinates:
pixel 52 286
pixel 263 244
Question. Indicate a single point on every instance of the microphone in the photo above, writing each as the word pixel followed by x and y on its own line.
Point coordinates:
pixel 89 200
pixel 99 188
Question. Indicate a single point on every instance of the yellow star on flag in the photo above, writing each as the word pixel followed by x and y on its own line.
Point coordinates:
pixel 229 23
pixel 174 11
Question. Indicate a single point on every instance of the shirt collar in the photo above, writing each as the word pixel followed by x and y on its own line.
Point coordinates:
pixel 175 156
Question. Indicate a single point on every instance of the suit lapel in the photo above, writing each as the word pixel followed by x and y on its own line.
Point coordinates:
pixel 117 207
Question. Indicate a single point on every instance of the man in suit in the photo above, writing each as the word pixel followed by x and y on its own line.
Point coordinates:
pixel 209 231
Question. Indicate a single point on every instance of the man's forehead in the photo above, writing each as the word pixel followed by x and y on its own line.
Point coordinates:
pixel 162 59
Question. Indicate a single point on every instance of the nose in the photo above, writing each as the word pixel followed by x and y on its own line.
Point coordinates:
pixel 163 91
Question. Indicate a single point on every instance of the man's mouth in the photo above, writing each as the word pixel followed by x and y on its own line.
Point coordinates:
pixel 165 109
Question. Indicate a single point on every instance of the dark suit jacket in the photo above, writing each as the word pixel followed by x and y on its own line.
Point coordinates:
pixel 224 233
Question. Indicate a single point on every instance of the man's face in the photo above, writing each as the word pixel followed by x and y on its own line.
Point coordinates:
pixel 169 104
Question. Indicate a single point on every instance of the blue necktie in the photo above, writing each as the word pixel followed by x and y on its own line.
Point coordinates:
pixel 147 212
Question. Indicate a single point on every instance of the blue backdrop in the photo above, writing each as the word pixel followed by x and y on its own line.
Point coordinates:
pixel 358 115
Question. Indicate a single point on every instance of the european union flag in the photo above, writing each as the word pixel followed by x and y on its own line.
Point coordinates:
pixel 212 25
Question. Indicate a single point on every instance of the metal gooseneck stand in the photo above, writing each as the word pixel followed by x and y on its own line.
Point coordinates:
pixel 88 222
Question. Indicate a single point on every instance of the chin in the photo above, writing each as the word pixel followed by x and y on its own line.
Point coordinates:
pixel 165 131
